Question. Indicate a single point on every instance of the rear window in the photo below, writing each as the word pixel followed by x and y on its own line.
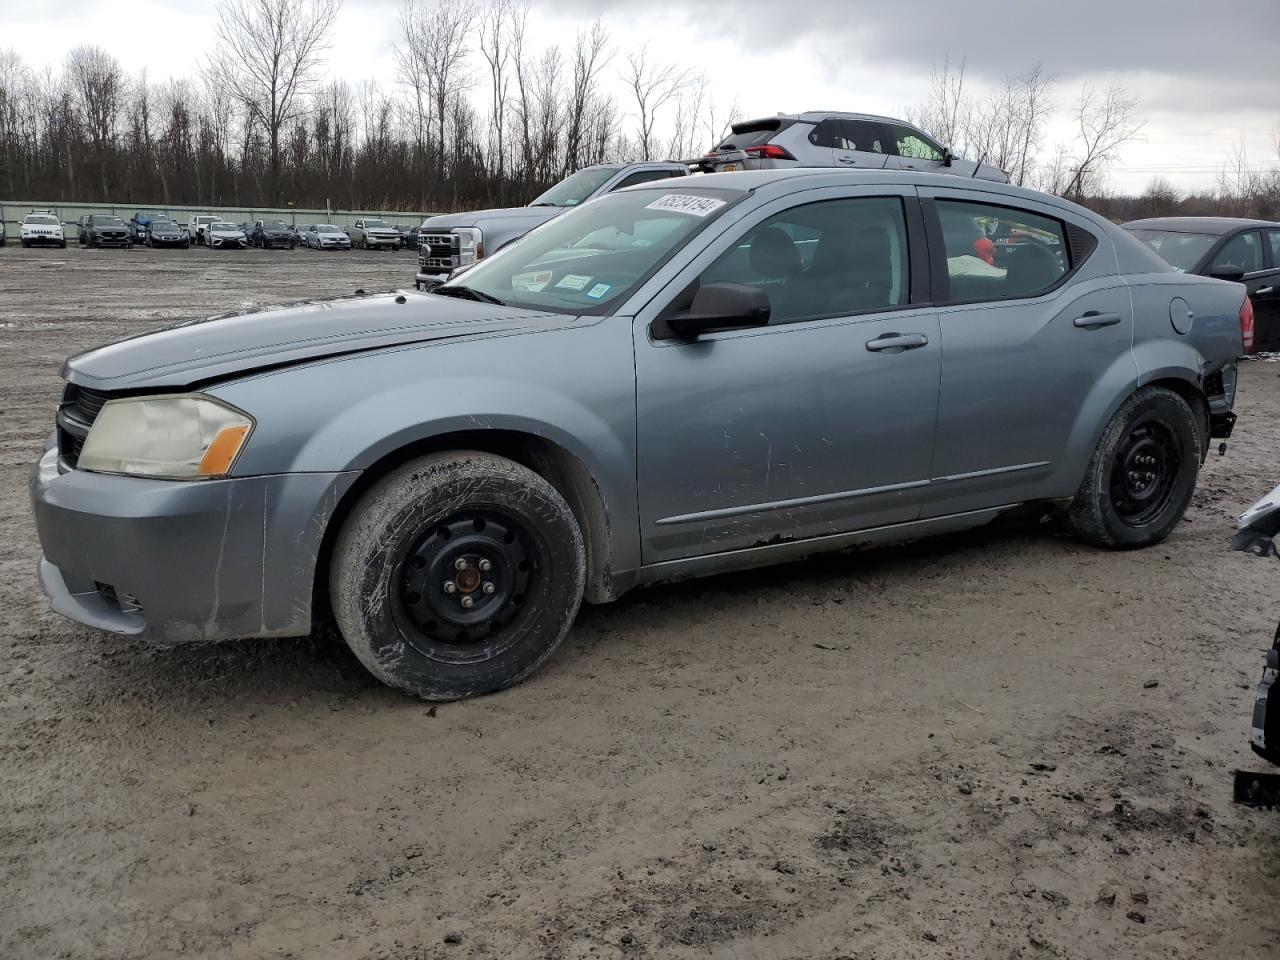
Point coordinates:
pixel 753 133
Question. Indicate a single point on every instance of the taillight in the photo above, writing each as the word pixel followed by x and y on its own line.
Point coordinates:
pixel 769 151
pixel 1246 324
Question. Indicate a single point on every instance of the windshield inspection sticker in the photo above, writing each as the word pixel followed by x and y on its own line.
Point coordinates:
pixel 683 203
pixel 531 282
pixel 573 281
pixel 599 290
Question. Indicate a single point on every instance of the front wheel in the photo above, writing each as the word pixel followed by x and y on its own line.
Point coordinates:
pixel 457 574
pixel 1142 473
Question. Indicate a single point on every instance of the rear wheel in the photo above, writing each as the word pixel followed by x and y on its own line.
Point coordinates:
pixel 457 574
pixel 1142 474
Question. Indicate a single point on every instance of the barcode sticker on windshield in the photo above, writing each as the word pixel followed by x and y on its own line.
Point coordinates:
pixel 683 203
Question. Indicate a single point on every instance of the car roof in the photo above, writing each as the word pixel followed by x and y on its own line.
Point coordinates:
pixel 814 116
pixel 1214 225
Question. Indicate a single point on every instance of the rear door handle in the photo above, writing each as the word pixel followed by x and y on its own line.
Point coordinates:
pixel 846 159
pixel 1096 321
pixel 1264 291
pixel 897 342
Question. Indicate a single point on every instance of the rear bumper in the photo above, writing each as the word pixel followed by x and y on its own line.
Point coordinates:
pixel 179 561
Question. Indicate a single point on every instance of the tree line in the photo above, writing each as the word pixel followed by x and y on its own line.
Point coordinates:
pixel 468 111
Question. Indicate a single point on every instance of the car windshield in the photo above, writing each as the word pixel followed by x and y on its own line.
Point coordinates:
pixel 1180 250
pixel 376 223
pixel 574 189
pixel 326 228
pixel 223 227
pixel 40 218
pixel 591 259
pixel 273 225
pixel 108 222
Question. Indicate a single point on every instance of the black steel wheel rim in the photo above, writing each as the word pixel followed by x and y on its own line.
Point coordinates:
pixel 1144 472
pixel 460 592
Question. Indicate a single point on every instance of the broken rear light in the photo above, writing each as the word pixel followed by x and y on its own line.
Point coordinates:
pixel 1246 324
pixel 769 151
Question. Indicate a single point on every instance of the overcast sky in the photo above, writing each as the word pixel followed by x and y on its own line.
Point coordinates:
pixel 1203 87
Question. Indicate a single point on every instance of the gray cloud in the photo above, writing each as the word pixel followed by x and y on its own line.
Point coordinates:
pixel 1074 38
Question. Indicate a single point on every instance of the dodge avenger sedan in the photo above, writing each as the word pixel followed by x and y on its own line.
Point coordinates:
pixel 680 378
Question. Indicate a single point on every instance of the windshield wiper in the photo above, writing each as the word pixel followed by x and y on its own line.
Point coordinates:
pixel 466 293
pixel 546 203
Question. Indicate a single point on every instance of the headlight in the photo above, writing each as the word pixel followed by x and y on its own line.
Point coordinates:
pixel 180 438
pixel 470 244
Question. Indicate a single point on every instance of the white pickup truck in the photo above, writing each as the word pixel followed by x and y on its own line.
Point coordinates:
pixel 196 225
pixel 368 232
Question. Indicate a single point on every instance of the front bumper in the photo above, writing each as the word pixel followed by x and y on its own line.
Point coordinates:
pixel 1266 708
pixel 178 561
pixel 44 240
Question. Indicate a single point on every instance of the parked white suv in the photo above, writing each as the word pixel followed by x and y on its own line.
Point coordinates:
pixel 822 138
pixel 42 228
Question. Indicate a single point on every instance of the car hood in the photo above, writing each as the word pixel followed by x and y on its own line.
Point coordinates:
pixel 477 218
pixel 327 235
pixel 203 351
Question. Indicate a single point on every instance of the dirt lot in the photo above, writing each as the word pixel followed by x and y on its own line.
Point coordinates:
pixel 944 750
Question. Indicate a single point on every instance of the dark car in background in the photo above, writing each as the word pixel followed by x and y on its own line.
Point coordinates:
pixel 140 224
pixel 166 233
pixel 105 231
pixel 271 233
pixel 1244 251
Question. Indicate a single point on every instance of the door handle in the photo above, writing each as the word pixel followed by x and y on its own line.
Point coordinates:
pixel 897 342
pixel 846 160
pixel 1264 291
pixel 1096 321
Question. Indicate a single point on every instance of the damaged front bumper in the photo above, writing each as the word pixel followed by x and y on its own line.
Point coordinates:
pixel 176 561
pixel 1266 708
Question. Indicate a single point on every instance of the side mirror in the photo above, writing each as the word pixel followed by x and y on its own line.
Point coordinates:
pixel 947 156
pixel 721 306
pixel 1227 271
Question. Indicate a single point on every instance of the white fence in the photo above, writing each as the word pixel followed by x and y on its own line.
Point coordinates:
pixel 12 212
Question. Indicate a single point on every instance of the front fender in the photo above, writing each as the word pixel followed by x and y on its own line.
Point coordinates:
pixel 573 387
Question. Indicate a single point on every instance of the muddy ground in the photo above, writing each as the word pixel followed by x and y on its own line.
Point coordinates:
pixel 950 749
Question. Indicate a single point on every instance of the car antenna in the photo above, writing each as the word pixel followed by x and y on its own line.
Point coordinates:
pixel 981 160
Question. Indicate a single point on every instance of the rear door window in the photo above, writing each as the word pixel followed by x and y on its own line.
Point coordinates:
pixel 861 135
pixel 1000 253
pixel 1243 251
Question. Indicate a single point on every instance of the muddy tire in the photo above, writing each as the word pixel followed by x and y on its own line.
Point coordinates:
pixel 457 574
pixel 1142 473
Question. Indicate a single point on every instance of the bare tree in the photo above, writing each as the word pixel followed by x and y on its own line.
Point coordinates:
pixel 1105 121
pixel 98 86
pixel 435 43
pixel 947 113
pixel 590 56
pixel 653 85
pixel 494 35
pixel 271 54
